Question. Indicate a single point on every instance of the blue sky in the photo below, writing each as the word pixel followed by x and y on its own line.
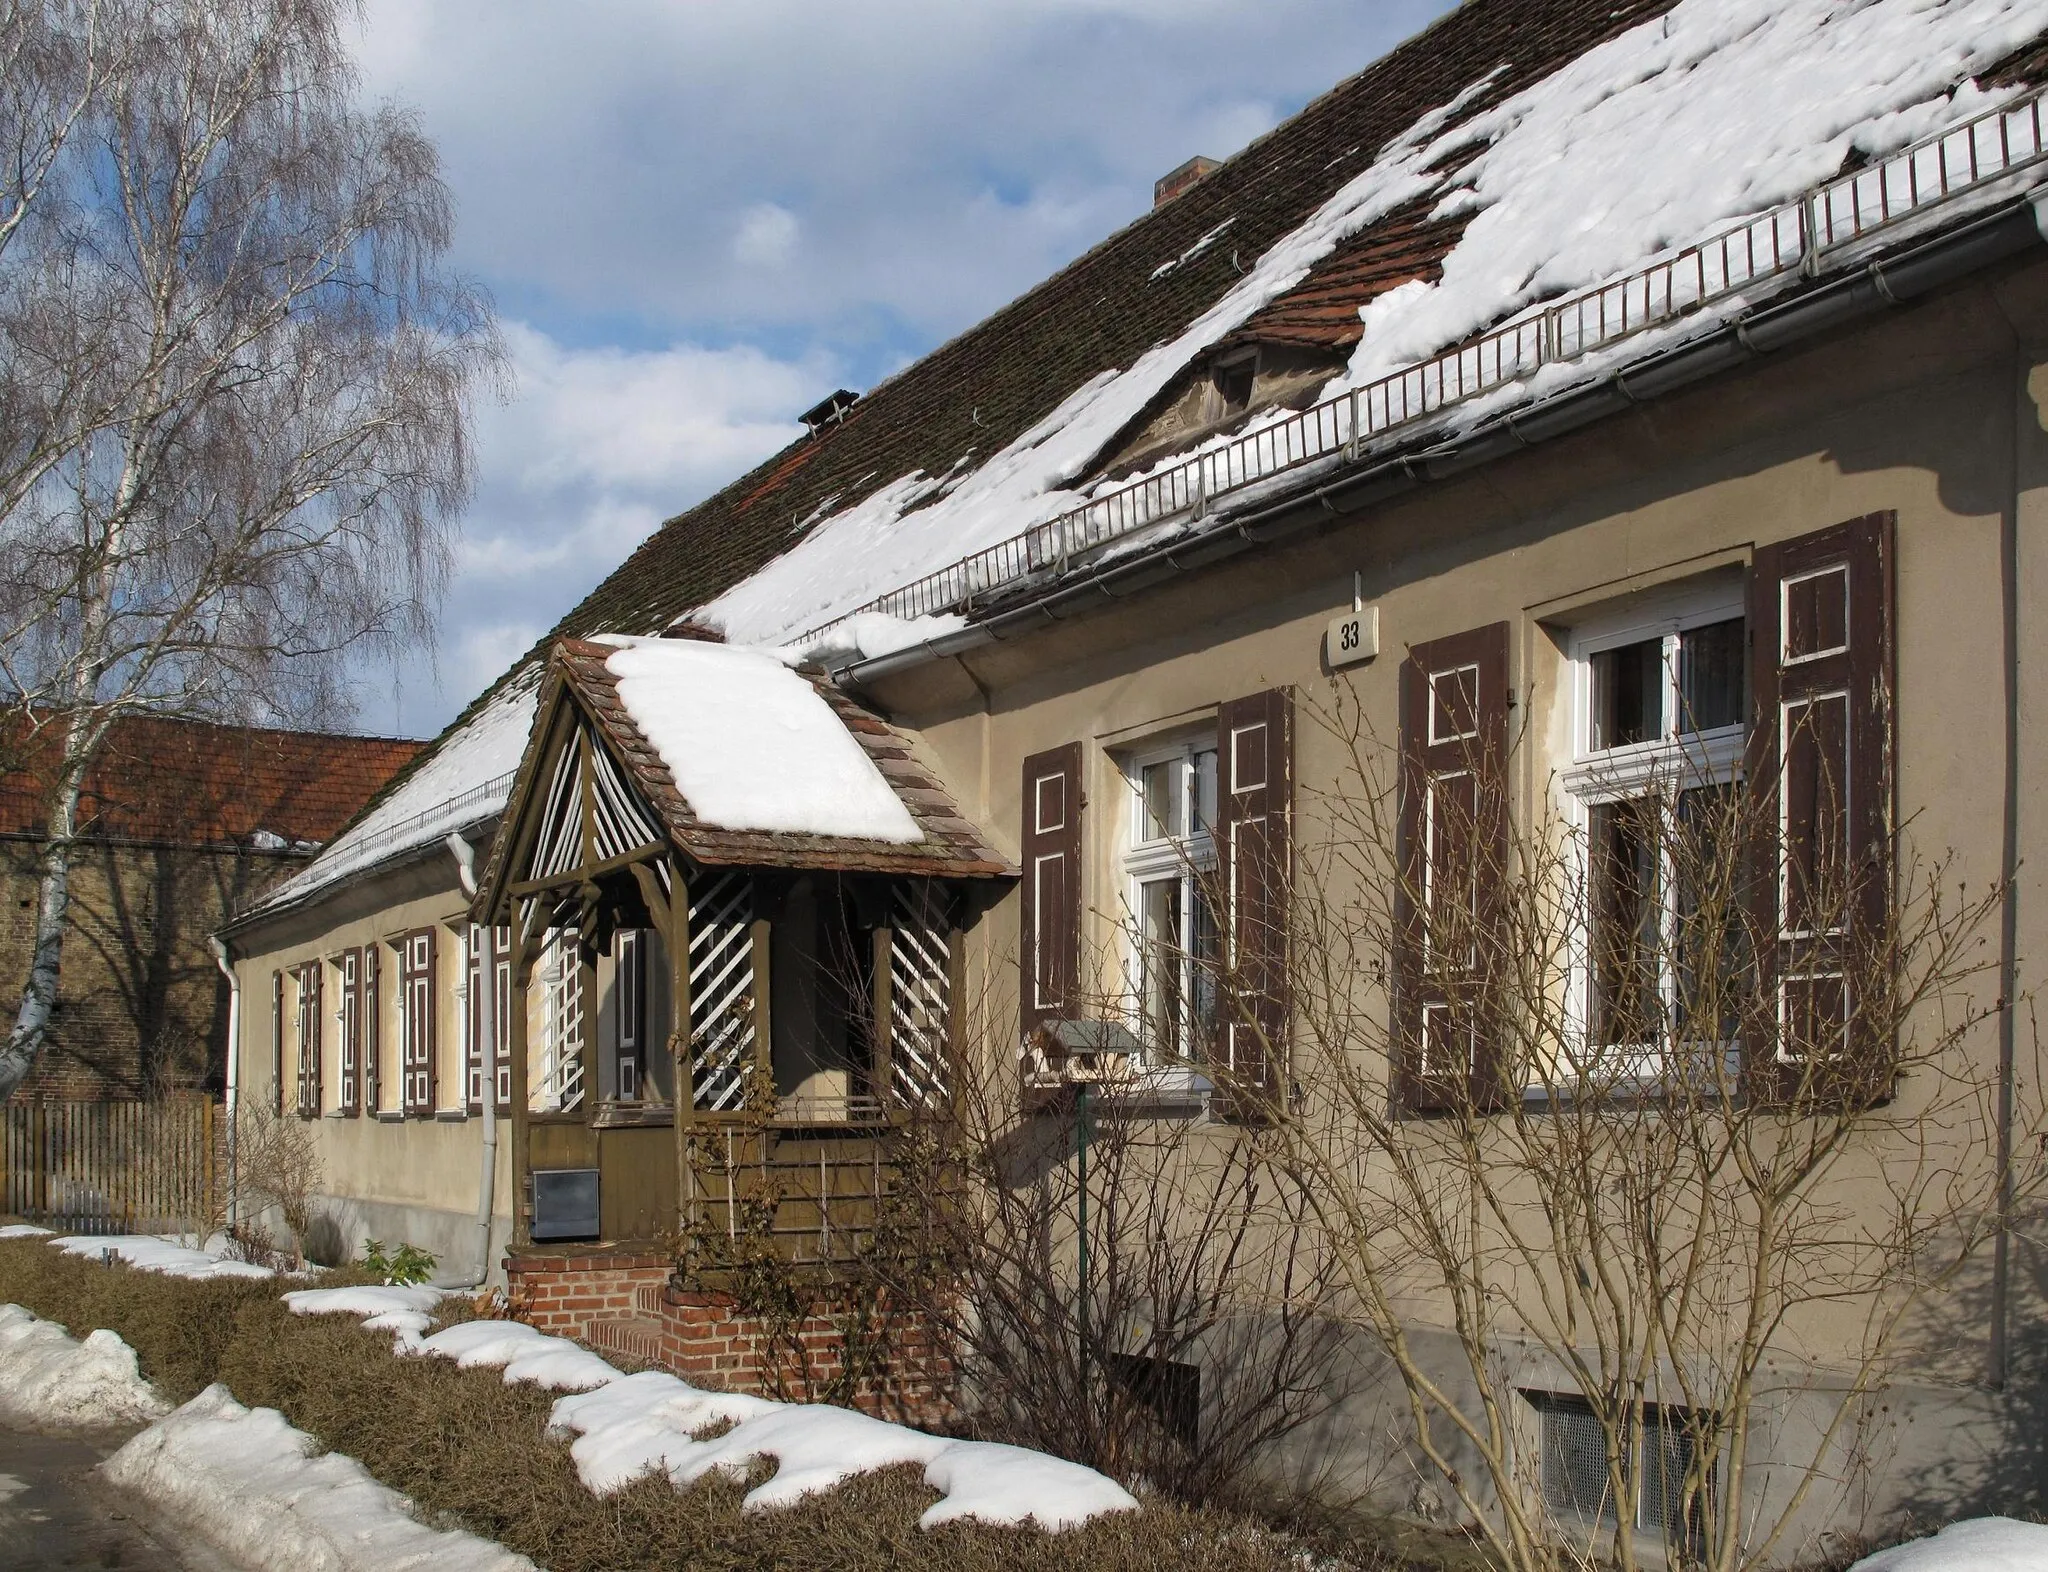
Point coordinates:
pixel 700 216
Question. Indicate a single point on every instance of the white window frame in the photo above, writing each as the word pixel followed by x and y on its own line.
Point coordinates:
pixel 560 1085
pixel 1189 857
pixel 1673 761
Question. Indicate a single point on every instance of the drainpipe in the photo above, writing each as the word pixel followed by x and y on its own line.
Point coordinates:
pixel 486 1007
pixel 220 959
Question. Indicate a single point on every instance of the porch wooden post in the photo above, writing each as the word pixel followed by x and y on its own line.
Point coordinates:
pixel 764 1024
pixel 679 1033
pixel 878 1068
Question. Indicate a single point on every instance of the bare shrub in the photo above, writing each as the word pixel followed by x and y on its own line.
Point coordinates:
pixel 279 1167
pixel 1693 1203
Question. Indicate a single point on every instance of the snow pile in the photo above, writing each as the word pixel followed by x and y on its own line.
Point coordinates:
pixel 441 795
pixel 645 1421
pixel 751 745
pixel 872 634
pixel 241 1479
pixel 405 1312
pixel 1984 1544
pixel 1657 138
pixel 627 1425
pixel 526 1354
pixel 23 1231
pixel 158 1255
pixel 51 1381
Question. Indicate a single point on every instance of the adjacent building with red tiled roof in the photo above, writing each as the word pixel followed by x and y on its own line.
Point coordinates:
pixel 182 823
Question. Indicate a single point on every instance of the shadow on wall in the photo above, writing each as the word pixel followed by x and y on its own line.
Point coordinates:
pixel 1999 1466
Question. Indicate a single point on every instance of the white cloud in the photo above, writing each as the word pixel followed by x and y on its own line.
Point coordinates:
pixel 767 235
pixel 701 218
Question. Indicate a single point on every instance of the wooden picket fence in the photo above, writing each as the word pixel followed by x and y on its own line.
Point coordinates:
pixel 112 1167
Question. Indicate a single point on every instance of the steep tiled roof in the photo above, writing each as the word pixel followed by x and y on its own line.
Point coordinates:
pixel 952 846
pixel 978 392
pixel 191 783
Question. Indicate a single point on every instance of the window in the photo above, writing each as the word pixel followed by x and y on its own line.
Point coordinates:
pixel 1662 1499
pixel 1661 706
pixel 1170 867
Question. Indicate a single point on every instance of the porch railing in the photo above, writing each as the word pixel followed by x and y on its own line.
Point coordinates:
pixel 818 1201
pixel 1796 237
pixel 113 1167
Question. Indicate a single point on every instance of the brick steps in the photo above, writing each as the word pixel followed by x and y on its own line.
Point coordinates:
pixel 632 1337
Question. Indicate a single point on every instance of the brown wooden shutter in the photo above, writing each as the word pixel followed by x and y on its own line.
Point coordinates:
pixel 1453 854
pixel 1821 759
pixel 417 985
pixel 277 1042
pixel 1255 810
pixel 373 1041
pixel 351 1031
pixel 309 1040
pixel 1049 946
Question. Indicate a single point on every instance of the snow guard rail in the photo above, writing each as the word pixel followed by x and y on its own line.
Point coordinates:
pixel 1796 237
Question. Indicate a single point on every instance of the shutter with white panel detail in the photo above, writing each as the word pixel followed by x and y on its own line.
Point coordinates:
pixel 416 1019
pixel 1255 793
pixel 277 1042
pixel 351 1030
pixel 1452 856
pixel 1049 948
pixel 1820 760
pixel 373 1045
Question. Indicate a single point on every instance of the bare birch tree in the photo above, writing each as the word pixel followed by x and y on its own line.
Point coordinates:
pixel 1715 1226
pixel 234 383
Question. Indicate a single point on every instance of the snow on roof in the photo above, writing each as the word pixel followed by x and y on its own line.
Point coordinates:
pixel 465 778
pixel 751 745
pixel 1712 112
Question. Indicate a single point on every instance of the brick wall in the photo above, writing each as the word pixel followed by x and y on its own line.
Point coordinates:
pixel 625 1304
pixel 141 1006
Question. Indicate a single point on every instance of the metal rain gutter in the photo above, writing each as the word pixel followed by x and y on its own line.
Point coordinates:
pixel 1874 287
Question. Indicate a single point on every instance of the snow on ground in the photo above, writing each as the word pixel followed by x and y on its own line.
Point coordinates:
pixel 626 1425
pixel 1655 139
pixel 51 1381
pixel 645 1421
pixel 751 745
pixel 23 1231
pixel 1984 1544
pixel 443 794
pixel 405 1312
pixel 526 1354
pixel 158 1255
pixel 242 1480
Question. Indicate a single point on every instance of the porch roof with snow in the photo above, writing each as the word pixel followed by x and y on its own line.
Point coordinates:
pixel 738 761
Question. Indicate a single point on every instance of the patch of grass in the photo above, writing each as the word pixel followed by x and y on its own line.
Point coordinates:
pixel 474 1453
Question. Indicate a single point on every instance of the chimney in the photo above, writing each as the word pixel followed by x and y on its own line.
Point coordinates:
pixel 1192 173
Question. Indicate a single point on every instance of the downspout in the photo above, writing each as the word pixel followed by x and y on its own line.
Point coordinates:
pixel 2008 915
pixel 220 959
pixel 486 1007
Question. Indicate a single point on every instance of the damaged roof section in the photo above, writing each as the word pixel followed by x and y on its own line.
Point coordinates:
pixel 819 782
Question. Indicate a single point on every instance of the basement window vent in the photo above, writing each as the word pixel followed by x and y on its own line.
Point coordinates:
pixel 1169 1389
pixel 1662 1498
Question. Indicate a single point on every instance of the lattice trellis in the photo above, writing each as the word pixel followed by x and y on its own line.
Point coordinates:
pixel 561 1063
pixel 721 990
pixel 920 995
pixel 560 842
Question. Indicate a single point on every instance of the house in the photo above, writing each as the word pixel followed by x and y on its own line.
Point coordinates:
pixel 184 822
pixel 1584 398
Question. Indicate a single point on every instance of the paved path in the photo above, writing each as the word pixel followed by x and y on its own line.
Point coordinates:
pixel 56 1513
